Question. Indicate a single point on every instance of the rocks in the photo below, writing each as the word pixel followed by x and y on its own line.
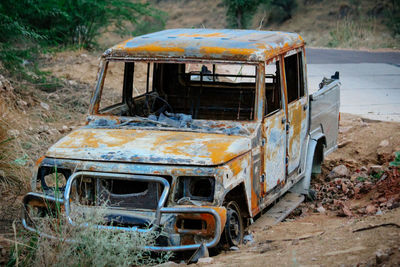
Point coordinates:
pixel 207 260
pixel 234 248
pixel 5 84
pixel 336 194
pixel 344 143
pixel 370 209
pixel 53 131
pixel 14 133
pixel 375 169
pixel 45 106
pixel 22 103
pixel 167 264
pixel 381 256
pixel 72 83
pixel 44 129
pixel 339 171
pixel 364 169
pixel 384 143
pixel 321 209
pixel 64 129
pixel 345 129
pixel 248 239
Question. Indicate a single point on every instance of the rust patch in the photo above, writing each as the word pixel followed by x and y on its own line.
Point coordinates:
pixel 215 34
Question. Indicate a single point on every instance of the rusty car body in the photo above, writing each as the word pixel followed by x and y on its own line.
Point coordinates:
pixel 202 131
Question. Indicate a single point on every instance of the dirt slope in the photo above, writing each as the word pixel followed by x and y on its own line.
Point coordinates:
pixel 320 240
pixel 322 23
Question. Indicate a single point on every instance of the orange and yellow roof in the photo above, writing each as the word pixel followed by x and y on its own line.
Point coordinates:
pixel 207 44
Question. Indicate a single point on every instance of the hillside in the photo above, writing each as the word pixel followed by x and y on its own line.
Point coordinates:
pixel 323 23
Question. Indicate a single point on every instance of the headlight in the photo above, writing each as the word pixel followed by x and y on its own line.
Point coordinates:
pixel 195 188
pixel 52 178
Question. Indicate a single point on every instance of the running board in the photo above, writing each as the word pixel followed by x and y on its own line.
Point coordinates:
pixel 278 212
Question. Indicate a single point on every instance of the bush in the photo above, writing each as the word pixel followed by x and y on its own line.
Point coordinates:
pixel 28 25
pixel 76 22
pixel 349 33
pixel 281 10
pixel 241 12
pixel 91 246
pixel 393 15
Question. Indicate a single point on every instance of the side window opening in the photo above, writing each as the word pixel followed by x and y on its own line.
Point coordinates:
pixel 294 77
pixel 142 78
pixel 301 73
pixel 112 87
pixel 273 97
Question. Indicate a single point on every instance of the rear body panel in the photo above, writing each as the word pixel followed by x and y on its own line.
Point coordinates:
pixel 324 108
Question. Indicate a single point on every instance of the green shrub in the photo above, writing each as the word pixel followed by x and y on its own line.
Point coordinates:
pixel 393 16
pixel 27 26
pixel 64 22
pixel 396 161
pixel 280 10
pixel 241 12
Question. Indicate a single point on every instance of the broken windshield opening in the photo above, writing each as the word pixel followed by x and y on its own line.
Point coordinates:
pixel 162 91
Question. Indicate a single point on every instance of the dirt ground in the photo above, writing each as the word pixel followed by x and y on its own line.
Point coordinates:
pixel 367 194
pixel 328 237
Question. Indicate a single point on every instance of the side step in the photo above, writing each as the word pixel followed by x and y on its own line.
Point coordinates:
pixel 278 212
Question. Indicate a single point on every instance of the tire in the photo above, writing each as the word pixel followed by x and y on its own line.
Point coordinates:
pixel 233 231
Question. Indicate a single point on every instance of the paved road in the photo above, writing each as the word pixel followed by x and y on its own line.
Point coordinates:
pixel 370 80
pixel 334 56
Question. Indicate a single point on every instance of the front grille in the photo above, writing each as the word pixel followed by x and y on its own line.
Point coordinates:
pixel 131 194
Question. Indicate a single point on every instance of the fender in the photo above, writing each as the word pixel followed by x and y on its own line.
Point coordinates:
pixel 303 186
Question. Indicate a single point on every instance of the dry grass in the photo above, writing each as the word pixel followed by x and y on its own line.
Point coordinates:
pixel 30 121
pixel 12 153
pixel 84 246
pixel 315 20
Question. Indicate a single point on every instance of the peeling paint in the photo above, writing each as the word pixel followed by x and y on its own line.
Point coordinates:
pixel 246 45
pixel 226 154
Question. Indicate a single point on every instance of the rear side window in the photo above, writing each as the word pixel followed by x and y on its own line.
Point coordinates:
pixel 273 101
pixel 294 76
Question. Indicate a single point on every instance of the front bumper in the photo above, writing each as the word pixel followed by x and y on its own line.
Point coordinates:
pixel 64 202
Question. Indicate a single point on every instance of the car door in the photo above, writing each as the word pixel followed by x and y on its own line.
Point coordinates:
pixel 297 108
pixel 274 132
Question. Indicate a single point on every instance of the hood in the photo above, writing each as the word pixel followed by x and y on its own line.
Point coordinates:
pixel 149 146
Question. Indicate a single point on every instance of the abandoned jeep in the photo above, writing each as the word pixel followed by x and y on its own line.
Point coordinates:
pixel 194 131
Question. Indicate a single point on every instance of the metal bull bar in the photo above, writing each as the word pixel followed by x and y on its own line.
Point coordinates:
pixel 156 223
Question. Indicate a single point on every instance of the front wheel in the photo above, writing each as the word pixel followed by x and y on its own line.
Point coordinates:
pixel 233 232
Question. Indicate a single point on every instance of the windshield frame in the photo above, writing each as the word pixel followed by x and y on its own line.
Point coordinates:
pixel 94 108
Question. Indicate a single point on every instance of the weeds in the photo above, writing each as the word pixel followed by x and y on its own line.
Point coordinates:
pixel 349 33
pixel 396 161
pixel 393 17
pixel 84 246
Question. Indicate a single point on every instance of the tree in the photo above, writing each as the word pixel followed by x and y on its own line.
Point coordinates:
pixel 281 10
pixel 31 24
pixel 241 12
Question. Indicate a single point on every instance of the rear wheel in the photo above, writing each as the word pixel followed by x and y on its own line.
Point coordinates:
pixel 233 232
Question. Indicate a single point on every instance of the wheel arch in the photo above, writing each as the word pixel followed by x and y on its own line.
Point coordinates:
pixel 314 159
pixel 238 194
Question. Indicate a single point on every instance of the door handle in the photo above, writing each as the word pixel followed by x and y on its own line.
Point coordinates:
pixel 305 107
pixel 283 120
